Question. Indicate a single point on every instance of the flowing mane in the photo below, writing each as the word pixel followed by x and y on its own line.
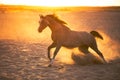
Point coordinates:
pixel 59 21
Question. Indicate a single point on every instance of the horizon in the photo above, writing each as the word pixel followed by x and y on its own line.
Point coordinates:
pixel 4 8
pixel 20 8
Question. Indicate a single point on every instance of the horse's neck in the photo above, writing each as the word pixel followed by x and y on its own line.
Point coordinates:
pixel 55 26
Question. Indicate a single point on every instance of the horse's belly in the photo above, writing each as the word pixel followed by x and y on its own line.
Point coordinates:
pixel 71 43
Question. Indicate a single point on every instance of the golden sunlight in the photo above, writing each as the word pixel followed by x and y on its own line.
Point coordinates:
pixel 59 3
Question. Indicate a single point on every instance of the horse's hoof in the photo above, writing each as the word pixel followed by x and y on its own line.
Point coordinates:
pixel 61 67
pixel 49 65
pixel 105 62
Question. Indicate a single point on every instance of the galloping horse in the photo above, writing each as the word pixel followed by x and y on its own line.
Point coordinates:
pixel 63 36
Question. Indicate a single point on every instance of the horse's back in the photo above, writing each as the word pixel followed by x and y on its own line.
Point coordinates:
pixel 83 37
pixel 81 34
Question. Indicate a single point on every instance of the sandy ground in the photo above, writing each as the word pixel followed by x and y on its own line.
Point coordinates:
pixel 28 61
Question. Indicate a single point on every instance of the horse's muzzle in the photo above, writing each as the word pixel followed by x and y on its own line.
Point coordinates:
pixel 39 30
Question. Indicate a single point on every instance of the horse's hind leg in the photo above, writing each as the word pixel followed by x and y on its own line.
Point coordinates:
pixel 94 47
pixel 84 49
pixel 101 55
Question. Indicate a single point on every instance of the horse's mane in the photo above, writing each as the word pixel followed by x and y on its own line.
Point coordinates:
pixel 59 20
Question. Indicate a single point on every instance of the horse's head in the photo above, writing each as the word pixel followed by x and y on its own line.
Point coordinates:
pixel 43 23
pixel 52 21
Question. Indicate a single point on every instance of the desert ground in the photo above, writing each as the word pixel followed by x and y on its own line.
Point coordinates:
pixel 28 61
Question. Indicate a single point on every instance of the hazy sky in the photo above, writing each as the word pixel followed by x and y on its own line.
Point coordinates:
pixel 63 2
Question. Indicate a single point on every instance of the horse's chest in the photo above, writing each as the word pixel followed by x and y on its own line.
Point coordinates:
pixel 58 36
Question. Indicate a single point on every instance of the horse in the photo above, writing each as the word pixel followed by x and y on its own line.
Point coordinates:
pixel 62 36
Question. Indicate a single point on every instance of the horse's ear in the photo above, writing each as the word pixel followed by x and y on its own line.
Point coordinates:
pixel 54 15
pixel 41 16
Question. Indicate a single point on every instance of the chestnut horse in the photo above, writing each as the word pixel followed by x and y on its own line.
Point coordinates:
pixel 64 36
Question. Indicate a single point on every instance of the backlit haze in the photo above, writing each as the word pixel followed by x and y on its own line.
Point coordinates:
pixel 23 25
pixel 62 2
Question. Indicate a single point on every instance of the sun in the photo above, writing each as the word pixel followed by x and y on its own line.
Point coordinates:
pixel 56 3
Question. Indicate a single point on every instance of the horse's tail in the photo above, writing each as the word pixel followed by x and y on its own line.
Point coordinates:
pixel 96 34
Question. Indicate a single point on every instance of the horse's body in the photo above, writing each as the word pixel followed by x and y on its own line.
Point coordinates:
pixel 63 36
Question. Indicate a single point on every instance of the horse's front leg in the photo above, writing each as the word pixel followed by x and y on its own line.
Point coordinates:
pixel 55 53
pixel 49 48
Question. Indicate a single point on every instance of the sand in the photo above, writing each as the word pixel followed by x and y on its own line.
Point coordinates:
pixel 28 61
